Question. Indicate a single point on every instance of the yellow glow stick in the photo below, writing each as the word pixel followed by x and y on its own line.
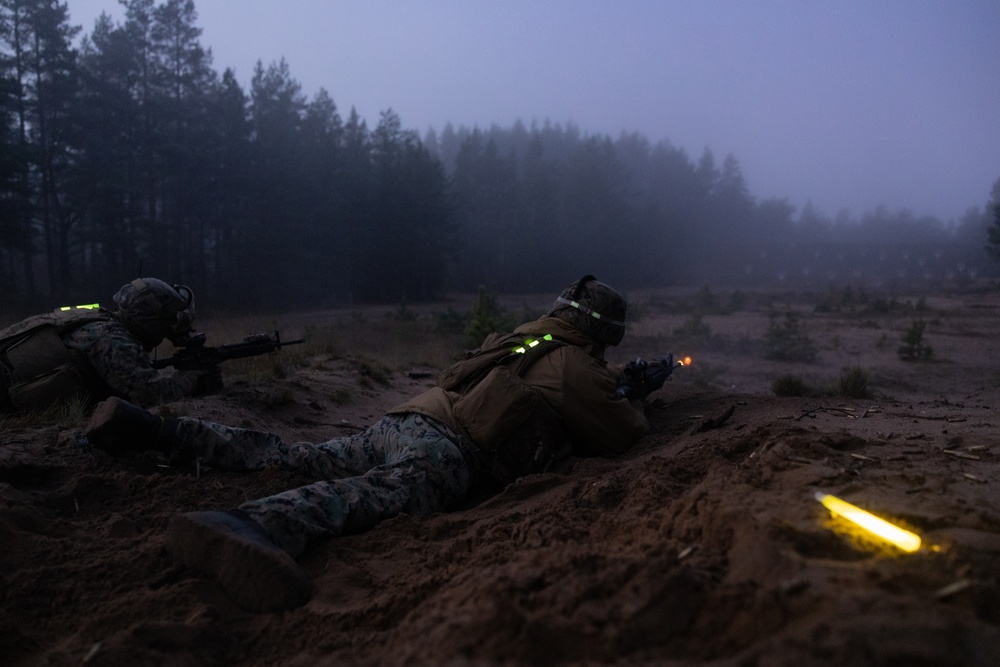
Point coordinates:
pixel 903 539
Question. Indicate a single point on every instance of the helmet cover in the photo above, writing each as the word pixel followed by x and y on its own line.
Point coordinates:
pixel 593 308
pixel 156 309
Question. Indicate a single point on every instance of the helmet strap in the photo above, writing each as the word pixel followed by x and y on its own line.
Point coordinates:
pixel 589 311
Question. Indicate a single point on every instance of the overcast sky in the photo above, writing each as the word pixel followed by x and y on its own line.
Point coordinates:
pixel 849 104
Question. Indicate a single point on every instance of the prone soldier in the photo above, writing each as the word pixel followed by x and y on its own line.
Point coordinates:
pixel 94 352
pixel 519 403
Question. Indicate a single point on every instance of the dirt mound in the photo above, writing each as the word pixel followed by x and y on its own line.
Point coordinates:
pixel 702 544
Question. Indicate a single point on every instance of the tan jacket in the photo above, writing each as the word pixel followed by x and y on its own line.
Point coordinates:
pixel 575 380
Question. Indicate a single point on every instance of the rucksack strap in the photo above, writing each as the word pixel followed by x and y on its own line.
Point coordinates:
pixel 517 351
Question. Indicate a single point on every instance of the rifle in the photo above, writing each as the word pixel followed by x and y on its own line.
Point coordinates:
pixel 643 377
pixel 195 356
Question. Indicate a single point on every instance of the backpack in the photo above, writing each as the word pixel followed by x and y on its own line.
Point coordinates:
pixel 515 429
pixel 36 368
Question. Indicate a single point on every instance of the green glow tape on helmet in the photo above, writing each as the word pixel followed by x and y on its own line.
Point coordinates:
pixel 582 308
pixel 531 342
pixel 84 306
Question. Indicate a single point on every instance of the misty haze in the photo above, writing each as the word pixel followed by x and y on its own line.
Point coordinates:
pixel 812 351
pixel 157 163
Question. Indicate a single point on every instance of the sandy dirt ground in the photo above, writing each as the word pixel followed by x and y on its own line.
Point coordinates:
pixel 702 545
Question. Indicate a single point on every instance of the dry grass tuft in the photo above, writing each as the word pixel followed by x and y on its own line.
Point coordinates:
pixel 62 415
pixel 854 383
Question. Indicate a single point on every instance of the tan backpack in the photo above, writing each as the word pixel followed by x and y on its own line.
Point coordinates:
pixel 516 430
pixel 36 368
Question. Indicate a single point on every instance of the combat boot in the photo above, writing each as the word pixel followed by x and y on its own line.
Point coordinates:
pixel 254 571
pixel 117 426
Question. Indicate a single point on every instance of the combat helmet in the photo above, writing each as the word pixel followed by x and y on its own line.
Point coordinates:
pixel 594 308
pixel 154 310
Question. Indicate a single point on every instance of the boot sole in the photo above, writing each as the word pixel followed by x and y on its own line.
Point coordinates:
pixel 258 577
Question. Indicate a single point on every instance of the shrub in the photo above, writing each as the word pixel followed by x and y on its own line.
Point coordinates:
pixel 790 385
pixel 787 340
pixel 708 302
pixel 847 299
pixel 914 348
pixel 487 316
pixel 854 383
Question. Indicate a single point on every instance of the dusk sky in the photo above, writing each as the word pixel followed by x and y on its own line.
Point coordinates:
pixel 850 104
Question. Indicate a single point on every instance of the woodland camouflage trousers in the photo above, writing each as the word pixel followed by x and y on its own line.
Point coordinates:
pixel 402 463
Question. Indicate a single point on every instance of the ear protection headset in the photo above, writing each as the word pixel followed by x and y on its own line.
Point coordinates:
pixel 182 318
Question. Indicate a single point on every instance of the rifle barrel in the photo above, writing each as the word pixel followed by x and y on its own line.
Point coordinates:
pixel 202 356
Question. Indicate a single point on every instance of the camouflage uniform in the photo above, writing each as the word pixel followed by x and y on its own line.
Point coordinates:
pixel 402 463
pixel 423 456
pixel 122 365
pixel 95 352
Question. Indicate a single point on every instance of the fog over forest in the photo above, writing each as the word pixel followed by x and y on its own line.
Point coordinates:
pixel 124 152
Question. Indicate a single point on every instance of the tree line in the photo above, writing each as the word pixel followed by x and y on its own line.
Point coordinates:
pixel 123 152
pixel 130 155
pixel 657 217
